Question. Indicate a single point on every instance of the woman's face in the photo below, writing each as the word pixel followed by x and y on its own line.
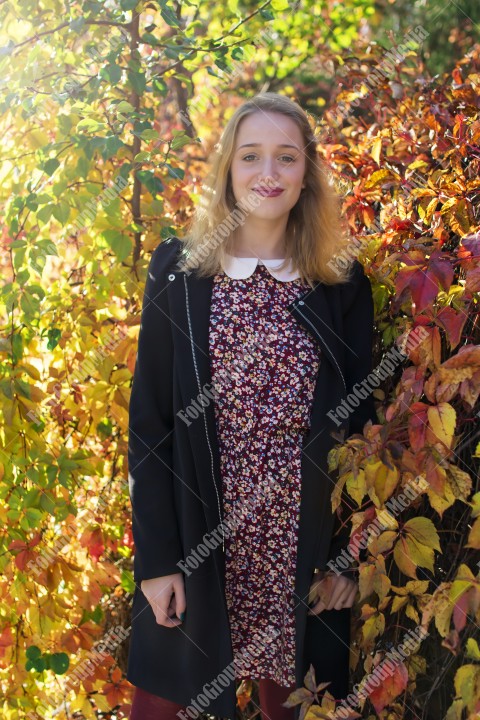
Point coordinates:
pixel 268 160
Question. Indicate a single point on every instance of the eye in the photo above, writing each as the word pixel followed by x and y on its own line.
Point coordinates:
pixel 286 158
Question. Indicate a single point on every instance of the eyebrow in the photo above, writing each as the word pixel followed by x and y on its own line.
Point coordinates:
pixel 259 144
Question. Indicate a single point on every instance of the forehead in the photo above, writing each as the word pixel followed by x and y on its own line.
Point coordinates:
pixel 269 128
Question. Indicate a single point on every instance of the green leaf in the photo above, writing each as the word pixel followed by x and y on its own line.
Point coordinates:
pixel 47 503
pixel 160 86
pixel 149 135
pixel 33 516
pixel 267 14
pixel 33 652
pixel 152 183
pixel 54 335
pixel 38 664
pixel 112 144
pixel 112 73
pixel 141 156
pixel 45 213
pixel 83 166
pixel 169 16
pixel 59 663
pixel 124 107
pixel 61 212
pixel 90 125
pixel 175 172
pixel 32 497
pixel 127 581
pixel 180 139
pixel 138 81
pixel 50 166
pixel 120 243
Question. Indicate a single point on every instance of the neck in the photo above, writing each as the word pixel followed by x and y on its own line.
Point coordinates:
pixel 260 238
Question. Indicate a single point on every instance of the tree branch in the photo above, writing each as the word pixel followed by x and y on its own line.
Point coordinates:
pixel 37 36
pixel 136 145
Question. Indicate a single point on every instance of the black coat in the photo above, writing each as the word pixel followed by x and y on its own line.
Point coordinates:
pixel 175 482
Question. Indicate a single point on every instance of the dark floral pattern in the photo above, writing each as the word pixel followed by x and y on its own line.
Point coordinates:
pixel 264 367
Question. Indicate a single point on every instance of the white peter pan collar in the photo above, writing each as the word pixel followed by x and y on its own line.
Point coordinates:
pixel 240 268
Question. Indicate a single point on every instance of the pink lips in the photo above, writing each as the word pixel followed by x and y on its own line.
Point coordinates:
pixel 264 192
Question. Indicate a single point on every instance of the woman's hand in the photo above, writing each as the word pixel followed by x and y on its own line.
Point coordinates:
pixel 166 596
pixel 330 591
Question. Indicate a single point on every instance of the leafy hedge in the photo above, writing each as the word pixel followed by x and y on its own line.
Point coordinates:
pixel 409 169
pixel 108 166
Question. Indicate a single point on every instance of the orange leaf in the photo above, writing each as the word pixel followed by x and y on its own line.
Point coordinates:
pixel 389 688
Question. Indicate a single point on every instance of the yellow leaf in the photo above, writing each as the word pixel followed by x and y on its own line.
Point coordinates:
pixel 415 546
pixel 475 504
pixel 443 614
pixel 423 530
pixel 376 149
pixel 473 650
pixel 411 613
pixel 398 603
pixel 441 420
pixel 459 481
pixel 402 554
pixel 440 503
pixel 371 470
pixel 377 177
pixel 365 580
pixel 386 480
pixel 467 680
pixel 374 626
pixel 413 587
pixel 337 492
pixel 356 486
pixel 381 585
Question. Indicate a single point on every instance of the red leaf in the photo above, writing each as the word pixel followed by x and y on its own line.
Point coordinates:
pixel 460 611
pixel 452 322
pixel 441 268
pixel 424 289
pixel 389 688
pixel 417 425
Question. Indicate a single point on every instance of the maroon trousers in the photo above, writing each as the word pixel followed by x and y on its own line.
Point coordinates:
pixel 146 706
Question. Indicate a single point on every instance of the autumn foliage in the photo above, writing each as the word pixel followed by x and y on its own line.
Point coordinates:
pixel 407 161
pixel 414 171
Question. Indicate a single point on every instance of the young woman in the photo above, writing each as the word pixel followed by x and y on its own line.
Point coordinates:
pixel 254 329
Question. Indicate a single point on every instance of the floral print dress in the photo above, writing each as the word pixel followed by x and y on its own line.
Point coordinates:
pixel 264 367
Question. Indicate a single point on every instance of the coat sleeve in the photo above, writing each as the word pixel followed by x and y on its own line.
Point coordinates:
pixel 358 335
pixel 150 432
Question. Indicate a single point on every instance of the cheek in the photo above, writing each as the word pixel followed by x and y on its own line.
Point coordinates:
pixel 297 175
pixel 239 174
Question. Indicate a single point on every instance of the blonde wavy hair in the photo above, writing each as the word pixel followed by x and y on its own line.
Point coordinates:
pixel 315 237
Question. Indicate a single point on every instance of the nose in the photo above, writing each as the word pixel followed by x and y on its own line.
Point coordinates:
pixel 269 175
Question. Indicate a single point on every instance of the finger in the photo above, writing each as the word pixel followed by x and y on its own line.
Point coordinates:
pixel 172 605
pixel 163 618
pixel 349 600
pixel 323 592
pixel 347 597
pixel 180 600
pixel 317 608
pixel 163 609
pixel 340 592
